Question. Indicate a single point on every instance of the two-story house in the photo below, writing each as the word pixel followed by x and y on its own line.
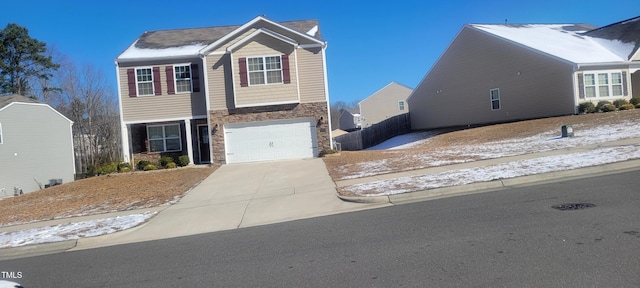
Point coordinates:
pixel 230 94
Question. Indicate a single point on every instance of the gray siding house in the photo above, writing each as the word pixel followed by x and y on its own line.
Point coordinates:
pixel 36 145
pixel 507 72
pixel 385 103
pixel 350 120
pixel 228 94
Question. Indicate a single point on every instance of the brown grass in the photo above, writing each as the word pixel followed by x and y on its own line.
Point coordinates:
pixel 349 163
pixel 102 194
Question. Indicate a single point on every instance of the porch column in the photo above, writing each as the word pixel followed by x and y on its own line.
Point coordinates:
pixel 126 140
pixel 187 127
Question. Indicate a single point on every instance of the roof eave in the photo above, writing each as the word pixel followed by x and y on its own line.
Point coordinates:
pixel 163 58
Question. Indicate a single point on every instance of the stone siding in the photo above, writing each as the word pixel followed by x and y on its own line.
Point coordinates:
pixel 317 110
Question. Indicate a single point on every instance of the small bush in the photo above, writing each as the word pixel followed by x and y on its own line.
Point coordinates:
pixel 586 107
pixel 618 103
pixel 125 169
pixel 328 152
pixel 164 161
pixel 627 106
pixel 91 171
pixel 601 104
pixel 124 166
pixel 183 160
pixel 108 168
pixel 170 165
pixel 608 108
pixel 635 101
pixel 142 163
pixel 149 167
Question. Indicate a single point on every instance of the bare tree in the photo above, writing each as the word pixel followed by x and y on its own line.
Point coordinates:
pixel 85 97
pixel 337 108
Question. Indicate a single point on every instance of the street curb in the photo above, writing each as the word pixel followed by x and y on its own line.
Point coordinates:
pixel 480 187
pixel 36 249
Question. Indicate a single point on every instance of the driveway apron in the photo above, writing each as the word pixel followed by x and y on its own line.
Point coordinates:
pixel 242 195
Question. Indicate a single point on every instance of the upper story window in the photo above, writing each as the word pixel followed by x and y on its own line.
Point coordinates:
pixel 401 105
pixel 183 78
pixel 264 70
pixel 603 84
pixel 144 81
pixel 495 99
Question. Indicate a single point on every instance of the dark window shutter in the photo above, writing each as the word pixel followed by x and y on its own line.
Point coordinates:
pixel 244 80
pixel 131 81
pixel 170 84
pixel 157 87
pixel 195 78
pixel 625 90
pixel 581 85
pixel 286 73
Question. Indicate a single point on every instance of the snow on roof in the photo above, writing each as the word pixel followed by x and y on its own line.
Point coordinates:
pixel 564 41
pixel 134 52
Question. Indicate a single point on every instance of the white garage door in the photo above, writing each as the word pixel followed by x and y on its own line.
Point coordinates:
pixel 273 140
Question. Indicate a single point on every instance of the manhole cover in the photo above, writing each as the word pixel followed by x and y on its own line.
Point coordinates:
pixel 573 206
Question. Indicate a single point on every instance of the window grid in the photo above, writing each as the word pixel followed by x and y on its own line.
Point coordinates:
pixel 495 99
pixel 264 70
pixel 144 81
pixel 603 84
pixel 164 138
pixel 401 105
pixel 183 78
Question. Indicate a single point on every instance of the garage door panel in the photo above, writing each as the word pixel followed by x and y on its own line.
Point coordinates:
pixel 274 140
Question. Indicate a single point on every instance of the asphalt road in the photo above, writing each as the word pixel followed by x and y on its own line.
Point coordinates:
pixel 507 238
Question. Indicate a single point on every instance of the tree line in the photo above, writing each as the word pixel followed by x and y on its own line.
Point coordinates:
pixel 81 93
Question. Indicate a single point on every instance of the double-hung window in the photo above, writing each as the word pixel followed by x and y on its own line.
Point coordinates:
pixel 495 99
pixel 183 78
pixel 602 84
pixel 164 138
pixel 144 81
pixel 264 70
pixel 401 105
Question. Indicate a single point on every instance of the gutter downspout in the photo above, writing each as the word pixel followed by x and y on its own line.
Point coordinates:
pixel 205 77
pixel 326 89
pixel 124 131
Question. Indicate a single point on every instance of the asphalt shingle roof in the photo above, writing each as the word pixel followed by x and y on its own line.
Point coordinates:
pixel 8 99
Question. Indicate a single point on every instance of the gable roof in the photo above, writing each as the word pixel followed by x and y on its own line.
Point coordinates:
pixel 8 99
pixel 391 85
pixel 627 31
pixel 575 43
pixel 194 41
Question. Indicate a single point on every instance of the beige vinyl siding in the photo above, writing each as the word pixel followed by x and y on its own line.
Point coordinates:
pixel 456 91
pixel 219 81
pixel 37 143
pixel 264 45
pixel 311 75
pixel 383 104
pixel 164 106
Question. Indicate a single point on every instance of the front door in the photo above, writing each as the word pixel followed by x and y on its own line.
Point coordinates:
pixel 203 143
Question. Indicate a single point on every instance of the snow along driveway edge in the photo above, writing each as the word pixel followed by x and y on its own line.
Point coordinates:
pixel 481 187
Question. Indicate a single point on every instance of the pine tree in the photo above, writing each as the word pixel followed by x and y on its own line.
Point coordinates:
pixel 22 59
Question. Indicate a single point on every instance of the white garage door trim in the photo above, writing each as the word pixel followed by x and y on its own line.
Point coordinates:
pixel 270 140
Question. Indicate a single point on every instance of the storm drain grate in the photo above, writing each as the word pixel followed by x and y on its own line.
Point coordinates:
pixel 573 206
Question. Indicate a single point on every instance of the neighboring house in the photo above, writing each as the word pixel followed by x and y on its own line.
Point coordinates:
pixel 36 145
pixel 498 73
pixel 229 94
pixel 350 120
pixel 385 103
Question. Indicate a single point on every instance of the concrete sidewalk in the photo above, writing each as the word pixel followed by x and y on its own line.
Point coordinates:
pixel 241 195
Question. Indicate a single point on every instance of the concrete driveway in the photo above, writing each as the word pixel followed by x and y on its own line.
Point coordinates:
pixel 242 195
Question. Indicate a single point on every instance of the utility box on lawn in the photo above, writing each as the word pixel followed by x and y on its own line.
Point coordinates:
pixel 567 131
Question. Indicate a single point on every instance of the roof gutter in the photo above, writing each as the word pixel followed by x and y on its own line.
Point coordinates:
pixel 588 65
pixel 131 60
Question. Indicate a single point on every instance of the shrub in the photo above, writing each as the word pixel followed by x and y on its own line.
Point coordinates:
pixel 170 165
pixel 142 163
pixel 618 103
pixel 183 160
pixel 635 101
pixel 91 171
pixel 608 108
pixel 328 152
pixel 601 104
pixel 108 168
pixel 627 106
pixel 586 107
pixel 164 161
pixel 124 166
pixel 149 167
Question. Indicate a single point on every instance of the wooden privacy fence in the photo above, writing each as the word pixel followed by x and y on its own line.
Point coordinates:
pixel 375 134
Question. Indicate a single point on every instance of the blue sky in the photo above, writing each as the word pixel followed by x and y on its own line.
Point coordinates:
pixel 370 43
